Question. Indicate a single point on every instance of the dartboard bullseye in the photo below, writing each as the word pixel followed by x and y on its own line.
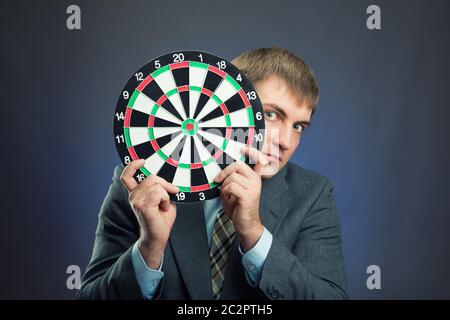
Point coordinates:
pixel 188 113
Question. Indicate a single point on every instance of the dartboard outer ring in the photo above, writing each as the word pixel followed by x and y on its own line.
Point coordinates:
pixel 141 119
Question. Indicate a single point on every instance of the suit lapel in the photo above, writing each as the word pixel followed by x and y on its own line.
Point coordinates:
pixel 189 243
pixel 274 205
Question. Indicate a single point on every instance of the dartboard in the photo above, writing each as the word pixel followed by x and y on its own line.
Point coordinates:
pixel 189 114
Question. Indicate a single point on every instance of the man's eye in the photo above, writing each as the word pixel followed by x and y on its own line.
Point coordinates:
pixel 270 115
pixel 299 128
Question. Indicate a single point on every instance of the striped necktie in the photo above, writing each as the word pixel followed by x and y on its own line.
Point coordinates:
pixel 222 239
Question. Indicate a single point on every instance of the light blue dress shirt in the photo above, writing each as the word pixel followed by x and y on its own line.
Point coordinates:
pixel 253 260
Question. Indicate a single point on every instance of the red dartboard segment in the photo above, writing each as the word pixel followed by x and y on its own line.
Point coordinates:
pixel 217 71
pixel 151 121
pixel 224 108
pixel 202 187
pixel 172 162
pixel 183 88
pixel 196 165
pixel 127 117
pixel 161 100
pixel 207 92
pixel 228 133
pixel 251 134
pixel 155 106
pixel 244 98
pixel 154 145
pixel 144 83
pixel 178 65
pixel 133 154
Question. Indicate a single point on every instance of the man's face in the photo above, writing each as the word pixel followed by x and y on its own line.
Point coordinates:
pixel 286 116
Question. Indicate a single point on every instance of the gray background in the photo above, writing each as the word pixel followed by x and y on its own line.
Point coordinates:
pixel 380 133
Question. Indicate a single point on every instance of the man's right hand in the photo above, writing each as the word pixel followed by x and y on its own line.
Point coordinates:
pixel 155 213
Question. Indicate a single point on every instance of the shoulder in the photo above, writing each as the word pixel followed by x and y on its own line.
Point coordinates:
pixel 116 209
pixel 312 193
pixel 307 183
pixel 117 196
pixel 295 176
pixel 118 171
pixel 117 185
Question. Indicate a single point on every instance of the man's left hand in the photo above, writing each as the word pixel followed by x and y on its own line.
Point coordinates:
pixel 240 194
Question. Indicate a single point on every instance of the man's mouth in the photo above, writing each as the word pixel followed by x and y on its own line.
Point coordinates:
pixel 274 158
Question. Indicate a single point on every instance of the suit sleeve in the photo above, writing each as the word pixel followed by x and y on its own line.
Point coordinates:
pixel 110 273
pixel 314 268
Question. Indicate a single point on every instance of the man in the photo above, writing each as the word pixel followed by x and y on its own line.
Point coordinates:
pixel 274 233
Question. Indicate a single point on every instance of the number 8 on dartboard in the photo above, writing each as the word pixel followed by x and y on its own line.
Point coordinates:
pixel 188 113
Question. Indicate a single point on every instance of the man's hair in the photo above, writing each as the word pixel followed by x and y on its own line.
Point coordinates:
pixel 258 64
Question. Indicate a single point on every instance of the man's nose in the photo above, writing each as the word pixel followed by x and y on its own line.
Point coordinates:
pixel 282 137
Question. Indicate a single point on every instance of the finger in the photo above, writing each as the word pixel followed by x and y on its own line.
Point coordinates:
pixel 233 189
pixel 154 179
pixel 257 157
pixel 165 205
pixel 239 179
pixel 239 167
pixel 155 196
pixel 228 203
pixel 165 202
pixel 228 200
pixel 128 172
pixel 162 197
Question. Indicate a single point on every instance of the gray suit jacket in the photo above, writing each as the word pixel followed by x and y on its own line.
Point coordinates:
pixel 304 262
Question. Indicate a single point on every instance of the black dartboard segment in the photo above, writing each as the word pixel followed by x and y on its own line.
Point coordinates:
pixel 188 113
